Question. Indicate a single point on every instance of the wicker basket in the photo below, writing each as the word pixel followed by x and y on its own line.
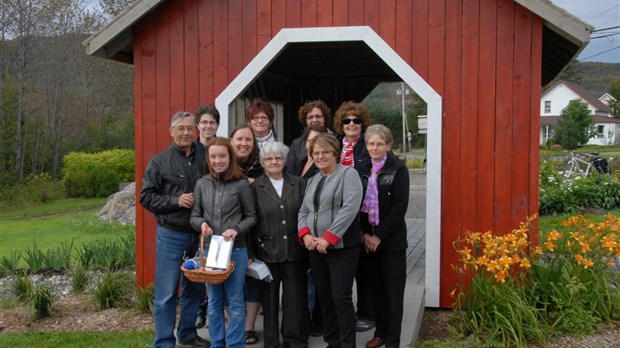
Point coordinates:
pixel 202 275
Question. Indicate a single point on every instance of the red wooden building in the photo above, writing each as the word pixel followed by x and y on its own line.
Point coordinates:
pixel 479 64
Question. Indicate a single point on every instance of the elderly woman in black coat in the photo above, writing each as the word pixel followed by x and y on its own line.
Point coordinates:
pixel 384 233
pixel 278 197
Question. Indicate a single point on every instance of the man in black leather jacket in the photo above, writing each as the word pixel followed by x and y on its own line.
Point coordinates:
pixel 167 192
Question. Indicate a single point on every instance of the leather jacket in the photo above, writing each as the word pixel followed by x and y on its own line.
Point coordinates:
pixel 169 174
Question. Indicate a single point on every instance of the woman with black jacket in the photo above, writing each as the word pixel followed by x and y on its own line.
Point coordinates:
pixel 384 232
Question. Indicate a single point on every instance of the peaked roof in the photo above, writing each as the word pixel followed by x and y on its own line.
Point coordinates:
pixel 564 35
pixel 583 93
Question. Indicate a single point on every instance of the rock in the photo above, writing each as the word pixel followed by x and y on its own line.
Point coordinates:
pixel 121 206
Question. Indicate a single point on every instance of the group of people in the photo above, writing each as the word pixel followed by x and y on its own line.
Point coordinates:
pixel 327 211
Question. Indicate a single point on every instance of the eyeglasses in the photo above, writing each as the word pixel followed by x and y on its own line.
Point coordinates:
pixel 354 120
pixel 273 159
pixel 182 129
pixel 205 122
pixel 259 118
pixel 314 117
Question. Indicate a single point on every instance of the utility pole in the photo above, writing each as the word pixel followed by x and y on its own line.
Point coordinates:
pixel 402 91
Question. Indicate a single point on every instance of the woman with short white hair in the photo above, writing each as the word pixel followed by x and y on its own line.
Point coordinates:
pixel 278 197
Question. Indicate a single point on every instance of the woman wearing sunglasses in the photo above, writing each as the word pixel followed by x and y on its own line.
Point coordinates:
pixel 350 122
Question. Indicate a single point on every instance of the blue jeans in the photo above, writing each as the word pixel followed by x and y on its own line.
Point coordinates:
pixel 230 292
pixel 171 247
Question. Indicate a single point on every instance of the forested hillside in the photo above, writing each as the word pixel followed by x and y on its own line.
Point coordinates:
pixel 596 77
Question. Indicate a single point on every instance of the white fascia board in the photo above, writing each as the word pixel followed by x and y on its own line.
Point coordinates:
pixel 96 43
pixel 564 23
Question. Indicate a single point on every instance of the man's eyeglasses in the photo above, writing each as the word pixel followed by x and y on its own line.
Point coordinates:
pixel 349 120
pixel 182 129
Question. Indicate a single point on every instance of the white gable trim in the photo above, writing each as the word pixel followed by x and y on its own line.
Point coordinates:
pixel 364 33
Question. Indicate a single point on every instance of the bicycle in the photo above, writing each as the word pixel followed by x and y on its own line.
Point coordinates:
pixel 584 164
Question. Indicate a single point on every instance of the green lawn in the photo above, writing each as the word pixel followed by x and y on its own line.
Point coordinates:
pixel 50 225
pixel 77 339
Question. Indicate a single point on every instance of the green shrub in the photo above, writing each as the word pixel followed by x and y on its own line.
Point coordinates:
pixel 115 289
pixel 41 301
pixel 97 174
pixel 558 196
pixel 36 189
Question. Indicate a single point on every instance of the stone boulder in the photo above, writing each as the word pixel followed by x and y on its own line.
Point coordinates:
pixel 121 206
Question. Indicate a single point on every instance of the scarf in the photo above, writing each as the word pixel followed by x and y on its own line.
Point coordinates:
pixel 346 156
pixel 371 201
pixel 267 138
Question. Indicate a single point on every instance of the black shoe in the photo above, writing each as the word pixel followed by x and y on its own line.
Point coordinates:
pixel 197 342
pixel 201 321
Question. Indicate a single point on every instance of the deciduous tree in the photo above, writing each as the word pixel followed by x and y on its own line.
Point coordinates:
pixel 574 125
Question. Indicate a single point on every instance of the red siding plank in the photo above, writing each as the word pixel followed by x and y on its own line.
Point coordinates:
pixel 470 27
pixel 177 56
pixel 162 72
pixel 263 24
pixel 220 45
pixel 235 39
pixel 309 10
pixel 486 113
pixel 190 36
pixel 205 52
pixel 419 54
pixel 372 12
pixel 139 160
pixel 356 13
pixel 445 32
pixel 325 13
pixel 503 117
pixel 521 117
pixel 535 88
pixel 341 13
pixel 278 16
pixel 404 28
pixel 249 31
pixel 293 14
pixel 387 22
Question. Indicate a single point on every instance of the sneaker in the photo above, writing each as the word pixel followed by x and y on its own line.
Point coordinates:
pixel 197 342
pixel 363 325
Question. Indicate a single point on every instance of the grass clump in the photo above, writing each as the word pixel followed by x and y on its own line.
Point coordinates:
pixel 115 289
pixel 41 301
pixel 22 287
pixel 10 262
pixel 79 279
pixel 145 298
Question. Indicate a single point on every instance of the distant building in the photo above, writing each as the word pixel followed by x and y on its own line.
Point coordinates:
pixel 556 98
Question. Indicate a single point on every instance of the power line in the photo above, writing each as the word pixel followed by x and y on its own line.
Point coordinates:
pixel 602 36
pixel 598 54
pixel 602 13
pixel 616 27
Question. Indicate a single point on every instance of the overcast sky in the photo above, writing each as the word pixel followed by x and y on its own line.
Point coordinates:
pixel 600 14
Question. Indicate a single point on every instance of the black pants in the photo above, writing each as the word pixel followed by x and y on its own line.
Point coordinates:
pixel 333 275
pixel 389 271
pixel 363 282
pixel 295 316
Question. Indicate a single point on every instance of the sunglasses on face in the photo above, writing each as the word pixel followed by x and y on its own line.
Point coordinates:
pixel 354 120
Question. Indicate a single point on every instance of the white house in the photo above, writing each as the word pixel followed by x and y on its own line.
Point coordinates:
pixel 556 98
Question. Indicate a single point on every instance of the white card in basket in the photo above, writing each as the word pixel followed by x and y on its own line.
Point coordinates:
pixel 219 253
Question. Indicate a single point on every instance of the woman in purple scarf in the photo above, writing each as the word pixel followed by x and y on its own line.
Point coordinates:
pixel 384 232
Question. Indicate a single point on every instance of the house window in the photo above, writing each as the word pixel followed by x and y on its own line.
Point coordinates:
pixel 547 106
pixel 600 131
